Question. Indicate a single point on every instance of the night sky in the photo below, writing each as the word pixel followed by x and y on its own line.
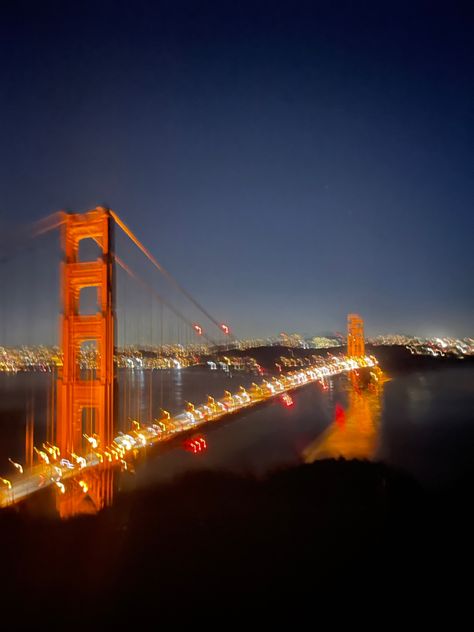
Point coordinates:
pixel 289 162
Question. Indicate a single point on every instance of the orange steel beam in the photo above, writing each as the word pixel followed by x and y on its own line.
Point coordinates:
pixel 29 438
pixel 75 395
pixel 87 494
pixel 355 336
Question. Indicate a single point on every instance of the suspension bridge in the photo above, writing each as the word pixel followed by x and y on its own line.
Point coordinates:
pixel 119 311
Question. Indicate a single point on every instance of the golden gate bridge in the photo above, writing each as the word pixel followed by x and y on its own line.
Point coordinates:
pixel 86 438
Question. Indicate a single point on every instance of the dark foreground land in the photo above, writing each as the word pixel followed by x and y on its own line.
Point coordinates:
pixel 211 542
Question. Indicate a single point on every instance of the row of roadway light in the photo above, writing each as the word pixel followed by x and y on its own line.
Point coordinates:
pixel 56 469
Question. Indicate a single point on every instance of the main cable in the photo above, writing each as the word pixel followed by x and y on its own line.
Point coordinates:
pixel 162 300
pixel 163 270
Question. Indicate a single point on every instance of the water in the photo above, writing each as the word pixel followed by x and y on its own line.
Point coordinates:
pixel 142 395
pixel 420 422
pixel 428 424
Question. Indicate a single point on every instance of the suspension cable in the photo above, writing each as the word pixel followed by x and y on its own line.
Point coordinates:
pixel 163 270
pixel 152 290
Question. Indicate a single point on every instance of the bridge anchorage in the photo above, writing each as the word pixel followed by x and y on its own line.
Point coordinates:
pixel 85 442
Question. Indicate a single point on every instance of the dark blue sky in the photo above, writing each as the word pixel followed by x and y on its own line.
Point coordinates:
pixel 289 162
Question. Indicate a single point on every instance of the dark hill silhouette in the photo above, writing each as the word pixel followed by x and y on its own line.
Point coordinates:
pixel 209 538
pixel 391 357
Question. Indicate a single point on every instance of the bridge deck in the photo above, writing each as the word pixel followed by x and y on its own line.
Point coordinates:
pixel 58 471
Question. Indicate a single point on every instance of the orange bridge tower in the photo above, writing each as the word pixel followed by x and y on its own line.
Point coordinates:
pixel 355 336
pixel 86 405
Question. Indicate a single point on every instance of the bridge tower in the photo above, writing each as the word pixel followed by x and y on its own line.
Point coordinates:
pixel 355 336
pixel 80 401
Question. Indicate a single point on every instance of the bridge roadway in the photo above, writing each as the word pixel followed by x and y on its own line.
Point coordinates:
pixel 58 471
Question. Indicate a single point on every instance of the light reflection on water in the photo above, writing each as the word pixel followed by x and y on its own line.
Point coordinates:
pixel 421 422
pixel 354 432
pixel 144 394
pixel 264 438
